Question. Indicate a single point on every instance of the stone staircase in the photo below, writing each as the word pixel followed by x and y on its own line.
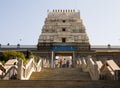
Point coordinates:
pixel 59 78
pixel 60 74
pixel 58 84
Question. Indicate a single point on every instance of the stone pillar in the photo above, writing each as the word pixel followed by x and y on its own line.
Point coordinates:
pixel 73 60
pixel 20 70
pixel 96 73
pixel 52 64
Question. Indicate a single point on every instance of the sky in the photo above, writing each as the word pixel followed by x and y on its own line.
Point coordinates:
pixel 21 21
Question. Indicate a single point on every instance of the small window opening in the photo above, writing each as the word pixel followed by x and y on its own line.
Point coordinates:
pixel 63 40
pixel 63 21
pixel 63 29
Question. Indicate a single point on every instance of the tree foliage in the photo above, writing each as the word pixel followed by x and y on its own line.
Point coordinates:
pixel 30 55
pixel 10 54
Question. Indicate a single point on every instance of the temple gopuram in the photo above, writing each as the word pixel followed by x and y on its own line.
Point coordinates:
pixel 64 35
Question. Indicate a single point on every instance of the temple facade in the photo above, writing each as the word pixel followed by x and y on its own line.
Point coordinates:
pixel 63 33
pixel 63 26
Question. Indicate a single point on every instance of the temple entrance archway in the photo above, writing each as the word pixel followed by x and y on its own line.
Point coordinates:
pixel 63 61
pixel 64 56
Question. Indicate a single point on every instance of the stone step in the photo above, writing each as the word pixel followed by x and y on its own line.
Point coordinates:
pixel 58 84
pixel 60 74
pixel 59 78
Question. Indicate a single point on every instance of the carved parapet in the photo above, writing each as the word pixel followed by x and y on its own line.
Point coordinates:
pixel 92 68
pixel 84 65
pixel 64 14
pixel 108 70
pixel 99 63
pixel 66 11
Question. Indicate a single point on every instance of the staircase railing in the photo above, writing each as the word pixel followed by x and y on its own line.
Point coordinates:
pixel 93 69
pixel 90 66
pixel 84 65
pixel 24 72
pixel 12 72
pixel 15 68
pixel 39 65
pixel 110 70
pixel 10 69
pixel 45 63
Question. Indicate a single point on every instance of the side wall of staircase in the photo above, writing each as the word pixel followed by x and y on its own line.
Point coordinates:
pixel 108 70
pixel 16 68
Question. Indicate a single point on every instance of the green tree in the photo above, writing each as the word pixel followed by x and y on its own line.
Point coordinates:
pixel 9 54
pixel 30 55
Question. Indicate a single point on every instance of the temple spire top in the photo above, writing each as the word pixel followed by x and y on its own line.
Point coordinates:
pixel 66 11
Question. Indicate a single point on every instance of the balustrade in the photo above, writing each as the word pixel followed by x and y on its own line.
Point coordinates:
pixel 10 69
pixel 22 72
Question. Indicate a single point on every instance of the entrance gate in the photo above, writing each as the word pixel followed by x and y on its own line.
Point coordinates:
pixel 62 50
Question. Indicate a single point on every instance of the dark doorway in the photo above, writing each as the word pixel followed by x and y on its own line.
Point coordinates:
pixel 63 29
pixel 63 21
pixel 63 40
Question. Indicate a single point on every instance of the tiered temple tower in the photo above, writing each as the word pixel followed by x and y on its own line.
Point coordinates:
pixel 63 32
